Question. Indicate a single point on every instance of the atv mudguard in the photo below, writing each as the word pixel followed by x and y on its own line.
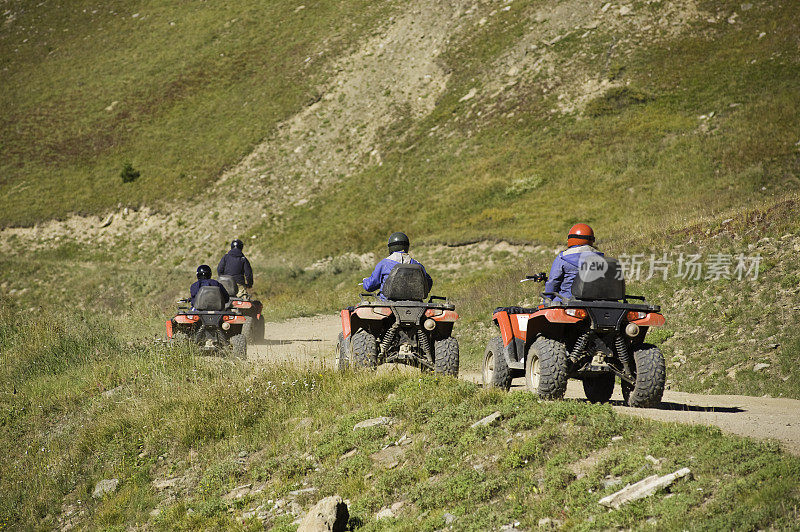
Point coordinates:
pixel 380 312
pixel 248 307
pixel 345 315
pixel 516 327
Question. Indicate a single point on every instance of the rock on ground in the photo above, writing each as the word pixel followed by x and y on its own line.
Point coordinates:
pixel 641 489
pixel 488 420
pixel 374 422
pixel 385 513
pixel 329 514
pixel 104 487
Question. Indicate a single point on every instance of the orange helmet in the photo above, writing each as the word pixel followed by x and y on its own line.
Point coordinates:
pixel 579 235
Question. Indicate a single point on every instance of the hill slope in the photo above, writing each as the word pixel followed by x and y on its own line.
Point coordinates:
pixel 312 130
pixel 200 443
pixel 458 122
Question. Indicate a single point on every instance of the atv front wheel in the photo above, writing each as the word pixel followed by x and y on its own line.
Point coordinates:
pixel 599 388
pixel 496 373
pixel 546 368
pixel 364 348
pixel 651 374
pixel 445 354
pixel 343 347
pixel 239 346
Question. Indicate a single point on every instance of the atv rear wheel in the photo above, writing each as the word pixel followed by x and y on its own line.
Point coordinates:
pixel 343 348
pixel 496 373
pixel 445 354
pixel 599 388
pixel 258 331
pixel 248 329
pixel 364 349
pixel 239 346
pixel 546 368
pixel 651 374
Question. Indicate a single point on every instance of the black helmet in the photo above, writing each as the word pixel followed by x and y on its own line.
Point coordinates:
pixel 204 271
pixel 398 242
pixel 237 244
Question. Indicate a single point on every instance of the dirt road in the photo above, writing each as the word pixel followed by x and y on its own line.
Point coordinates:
pixel 311 341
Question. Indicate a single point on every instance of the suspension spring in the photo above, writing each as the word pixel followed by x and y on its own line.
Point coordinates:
pixel 579 348
pixel 386 343
pixel 621 346
pixel 425 344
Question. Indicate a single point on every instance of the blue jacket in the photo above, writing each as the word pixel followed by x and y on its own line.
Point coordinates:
pixel 207 282
pixel 235 264
pixel 565 269
pixel 381 272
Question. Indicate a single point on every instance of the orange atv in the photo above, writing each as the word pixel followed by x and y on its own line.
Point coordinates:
pixel 402 329
pixel 253 328
pixel 595 336
pixel 211 324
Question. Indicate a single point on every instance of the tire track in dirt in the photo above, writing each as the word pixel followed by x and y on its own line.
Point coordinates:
pixel 311 341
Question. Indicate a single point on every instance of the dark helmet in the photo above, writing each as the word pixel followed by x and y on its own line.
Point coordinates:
pixel 237 244
pixel 398 242
pixel 204 271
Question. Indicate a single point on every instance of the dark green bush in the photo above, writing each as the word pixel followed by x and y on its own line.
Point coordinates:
pixel 129 174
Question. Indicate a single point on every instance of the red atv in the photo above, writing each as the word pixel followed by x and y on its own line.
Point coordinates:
pixel 595 336
pixel 402 329
pixel 212 324
pixel 253 328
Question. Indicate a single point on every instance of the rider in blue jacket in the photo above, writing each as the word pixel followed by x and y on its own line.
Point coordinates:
pixel 566 265
pixel 204 279
pixel 398 246
pixel 235 264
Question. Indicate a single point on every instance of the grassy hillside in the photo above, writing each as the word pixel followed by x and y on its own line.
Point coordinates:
pixel 669 126
pixel 180 433
pixel 702 122
pixel 693 113
pixel 179 91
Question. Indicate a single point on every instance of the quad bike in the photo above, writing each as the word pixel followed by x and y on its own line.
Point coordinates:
pixel 253 328
pixel 211 324
pixel 595 336
pixel 403 329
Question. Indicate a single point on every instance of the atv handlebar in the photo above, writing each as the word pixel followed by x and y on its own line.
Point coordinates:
pixel 536 278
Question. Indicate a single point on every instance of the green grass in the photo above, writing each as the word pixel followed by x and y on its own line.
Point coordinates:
pixel 621 168
pixel 193 98
pixel 211 425
pixel 196 88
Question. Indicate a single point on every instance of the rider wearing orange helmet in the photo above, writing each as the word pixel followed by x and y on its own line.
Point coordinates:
pixel 565 267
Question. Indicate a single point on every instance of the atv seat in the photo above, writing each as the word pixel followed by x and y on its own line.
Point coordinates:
pixel 406 282
pixel 230 284
pixel 209 298
pixel 607 284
